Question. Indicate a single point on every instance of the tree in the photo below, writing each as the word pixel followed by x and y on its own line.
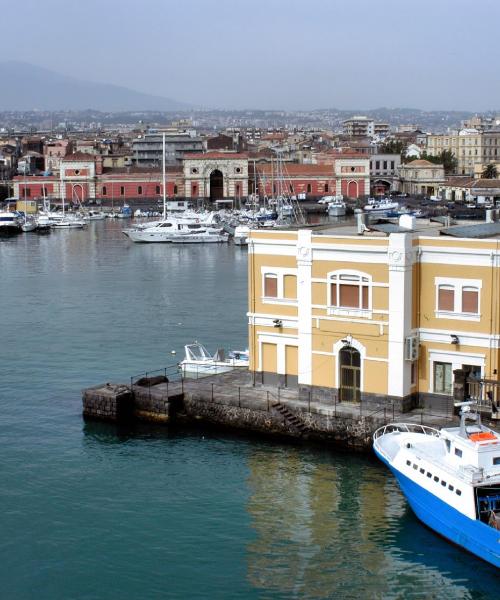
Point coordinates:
pixel 448 160
pixel 490 172
pixel 393 147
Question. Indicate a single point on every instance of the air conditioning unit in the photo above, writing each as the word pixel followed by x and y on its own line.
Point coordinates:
pixel 411 347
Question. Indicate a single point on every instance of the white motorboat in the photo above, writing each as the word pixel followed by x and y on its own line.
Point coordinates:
pixel 382 205
pixel 94 215
pixel 198 362
pixel 450 477
pixel 69 222
pixel 336 207
pixel 9 222
pixel 175 230
pixel 43 222
pixel 29 224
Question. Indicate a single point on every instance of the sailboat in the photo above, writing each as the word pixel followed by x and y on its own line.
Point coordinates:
pixel 67 221
pixel 184 230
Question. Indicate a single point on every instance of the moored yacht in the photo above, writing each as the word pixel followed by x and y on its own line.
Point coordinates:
pixel 9 222
pixel 336 207
pixel 450 477
pixel 175 230
pixel 380 206
pixel 198 362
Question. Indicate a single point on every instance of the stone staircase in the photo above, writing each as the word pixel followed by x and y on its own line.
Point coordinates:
pixel 292 419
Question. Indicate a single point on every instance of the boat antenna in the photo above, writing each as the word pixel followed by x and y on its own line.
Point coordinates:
pixel 164 180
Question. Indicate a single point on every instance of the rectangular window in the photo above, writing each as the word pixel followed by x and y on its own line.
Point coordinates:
pixel 290 286
pixel 349 296
pixel 326 187
pixel 122 191
pixel 442 378
pixel 446 298
pixel 270 286
pixel 470 297
pixel 139 190
pixel 458 452
pixel 158 189
pixel 104 190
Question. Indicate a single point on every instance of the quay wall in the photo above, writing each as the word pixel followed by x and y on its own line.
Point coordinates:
pixel 320 425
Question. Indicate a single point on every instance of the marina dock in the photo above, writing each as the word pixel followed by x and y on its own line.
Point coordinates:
pixel 235 400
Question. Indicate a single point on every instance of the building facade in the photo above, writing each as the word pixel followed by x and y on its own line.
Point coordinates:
pixel 372 318
pixel 421 177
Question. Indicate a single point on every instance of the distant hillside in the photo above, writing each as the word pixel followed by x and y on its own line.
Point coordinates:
pixel 27 87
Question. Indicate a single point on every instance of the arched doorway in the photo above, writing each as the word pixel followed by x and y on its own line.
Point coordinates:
pixel 350 374
pixel 352 189
pixel 216 185
pixel 77 193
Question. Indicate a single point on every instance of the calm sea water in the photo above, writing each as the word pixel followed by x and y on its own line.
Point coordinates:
pixel 94 511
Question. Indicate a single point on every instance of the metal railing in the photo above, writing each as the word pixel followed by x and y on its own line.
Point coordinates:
pixel 486 392
pixel 170 373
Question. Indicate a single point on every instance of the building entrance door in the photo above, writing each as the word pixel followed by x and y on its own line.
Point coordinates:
pixel 350 375
pixel 216 185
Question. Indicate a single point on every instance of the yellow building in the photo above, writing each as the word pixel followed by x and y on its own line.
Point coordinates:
pixel 470 147
pixel 373 317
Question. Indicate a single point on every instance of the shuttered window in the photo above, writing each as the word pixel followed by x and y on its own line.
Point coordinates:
pixel 446 298
pixel 270 286
pixel 470 300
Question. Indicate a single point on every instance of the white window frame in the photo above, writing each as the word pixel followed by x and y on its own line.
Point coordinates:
pixel 458 285
pixel 280 273
pixel 349 310
pixel 457 359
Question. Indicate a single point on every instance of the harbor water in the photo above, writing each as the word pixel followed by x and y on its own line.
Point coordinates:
pixel 89 510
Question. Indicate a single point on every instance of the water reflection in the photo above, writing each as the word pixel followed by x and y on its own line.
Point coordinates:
pixel 337 526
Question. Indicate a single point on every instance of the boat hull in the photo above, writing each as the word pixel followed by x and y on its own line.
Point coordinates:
pixel 472 535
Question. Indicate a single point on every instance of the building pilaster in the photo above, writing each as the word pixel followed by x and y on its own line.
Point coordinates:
pixel 400 259
pixel 304 302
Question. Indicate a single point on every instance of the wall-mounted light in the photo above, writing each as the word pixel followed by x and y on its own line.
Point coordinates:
pixel 454 339
pixel 278 323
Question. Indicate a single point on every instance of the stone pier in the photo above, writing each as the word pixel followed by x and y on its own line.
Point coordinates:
pixel 236 400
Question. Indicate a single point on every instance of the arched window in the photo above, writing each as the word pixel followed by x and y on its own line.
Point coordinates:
pixel 349 290
pixel 446 298
pixel 139 190
pixel 309 188
pixel 326 187
pixel 104 190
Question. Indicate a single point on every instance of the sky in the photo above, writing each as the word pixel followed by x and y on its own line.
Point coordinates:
pixel 274 54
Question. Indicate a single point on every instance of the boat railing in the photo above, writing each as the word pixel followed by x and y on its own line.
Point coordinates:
pixel 405 428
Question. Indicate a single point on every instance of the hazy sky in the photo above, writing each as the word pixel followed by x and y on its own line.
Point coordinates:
pixel 290 54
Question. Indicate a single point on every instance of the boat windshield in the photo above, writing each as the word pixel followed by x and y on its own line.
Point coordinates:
pixel 197 352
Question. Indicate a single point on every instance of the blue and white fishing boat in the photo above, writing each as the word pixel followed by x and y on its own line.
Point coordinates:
pixel 450 477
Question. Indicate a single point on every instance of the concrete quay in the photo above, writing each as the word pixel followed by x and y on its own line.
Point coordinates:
pixel 235 400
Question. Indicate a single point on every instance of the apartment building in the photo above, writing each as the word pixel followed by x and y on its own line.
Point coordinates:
pixel 374 317
pixel 470 147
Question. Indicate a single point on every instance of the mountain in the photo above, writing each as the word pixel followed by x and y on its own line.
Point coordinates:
pixel 27 87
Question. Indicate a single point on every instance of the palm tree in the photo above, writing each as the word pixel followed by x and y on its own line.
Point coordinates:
pixel 490 172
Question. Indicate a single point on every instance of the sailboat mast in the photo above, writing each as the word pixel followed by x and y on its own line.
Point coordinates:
pixel 164 181
pixel 62 188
